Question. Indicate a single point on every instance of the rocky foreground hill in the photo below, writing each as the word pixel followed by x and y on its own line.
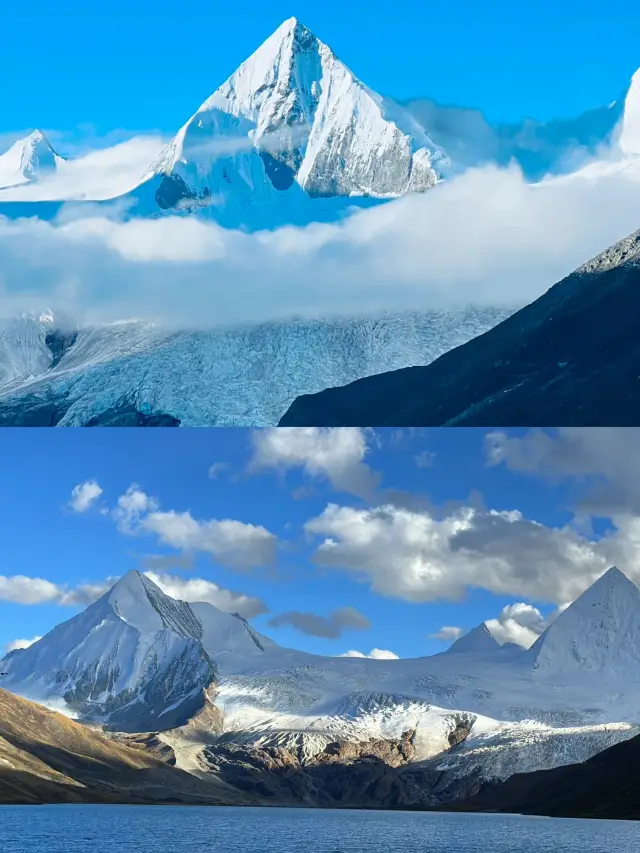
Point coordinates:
pixel 45 757
pixel 571 357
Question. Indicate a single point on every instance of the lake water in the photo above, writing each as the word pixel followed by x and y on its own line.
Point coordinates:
pixel 179 829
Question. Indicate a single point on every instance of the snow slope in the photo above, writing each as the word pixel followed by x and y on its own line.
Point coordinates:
pixel 138 659
pixel 28 160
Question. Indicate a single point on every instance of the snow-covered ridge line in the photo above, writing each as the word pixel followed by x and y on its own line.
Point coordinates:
pixel 138 660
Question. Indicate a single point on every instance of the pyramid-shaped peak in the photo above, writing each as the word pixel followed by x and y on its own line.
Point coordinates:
pixel 477 641
pixel 599 631
pixel 613 582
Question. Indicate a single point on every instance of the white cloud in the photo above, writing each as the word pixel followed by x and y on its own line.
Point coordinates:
pixel 232 543
pixel 427 556
pixel 131 506
pixel 20 589
pixel 21 644
pixel 375 654
pixel 199 589
pixel 336 454
pixel 448 634
pixel 84 496
pixel 518 623
pixel 467 240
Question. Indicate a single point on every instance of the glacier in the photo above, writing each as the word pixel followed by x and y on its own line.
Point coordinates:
pixel 52 373
pixel 137 660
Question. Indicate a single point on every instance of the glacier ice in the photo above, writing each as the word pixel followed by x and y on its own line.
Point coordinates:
pixel 243 376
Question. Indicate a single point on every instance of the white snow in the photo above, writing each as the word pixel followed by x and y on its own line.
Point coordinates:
pixel 28 160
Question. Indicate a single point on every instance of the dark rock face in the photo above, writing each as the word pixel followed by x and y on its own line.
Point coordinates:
pixel 571 358
pixel 32 411
pixel 280 173
pixel 171 191
pixel 605 786
pixel 344 774
pixel 131 417
pixel 59 342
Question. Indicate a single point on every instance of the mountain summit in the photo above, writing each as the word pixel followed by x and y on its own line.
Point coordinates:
pixel 600 631
pixel 292 124
pixel 28 160
pixel 479 640
pixel 136 658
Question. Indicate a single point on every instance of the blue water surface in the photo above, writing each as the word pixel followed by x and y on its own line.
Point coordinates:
pixel 184 829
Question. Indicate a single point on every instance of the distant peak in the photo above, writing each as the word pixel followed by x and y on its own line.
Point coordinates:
pixel 478 639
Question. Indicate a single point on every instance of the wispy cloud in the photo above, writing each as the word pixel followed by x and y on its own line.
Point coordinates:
pixel 330 627
pixel 84 496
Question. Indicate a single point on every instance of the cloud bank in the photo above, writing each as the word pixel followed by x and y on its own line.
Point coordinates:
pixel 486 237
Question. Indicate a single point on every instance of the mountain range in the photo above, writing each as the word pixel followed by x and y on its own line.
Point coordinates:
pixel 293 136
pixel 221 696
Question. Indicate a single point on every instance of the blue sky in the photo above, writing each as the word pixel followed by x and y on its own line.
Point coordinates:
pixel 148 65
pixel 414 529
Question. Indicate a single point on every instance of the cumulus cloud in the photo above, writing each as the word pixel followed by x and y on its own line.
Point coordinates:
pixel 21 644
pixel 330 627
pixel 21 589
pixel 199 589
pixel 427 556
pixel 484 237
pixel 605 461
pixel 375 654
pixel 84 496
pixel 131 507
pixel 448 634
pixel 335 454
pixel 233 543
pixel 518 623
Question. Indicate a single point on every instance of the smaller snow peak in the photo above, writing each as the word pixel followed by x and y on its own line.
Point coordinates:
pixel 477 641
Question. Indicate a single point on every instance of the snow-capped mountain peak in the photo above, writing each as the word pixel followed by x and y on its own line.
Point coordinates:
pixel 479 640
pixel 292 124
pixel 599 631
pixel 139 602
pixel 28 160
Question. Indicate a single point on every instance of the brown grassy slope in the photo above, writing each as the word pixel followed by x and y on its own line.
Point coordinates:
pixel 46 757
